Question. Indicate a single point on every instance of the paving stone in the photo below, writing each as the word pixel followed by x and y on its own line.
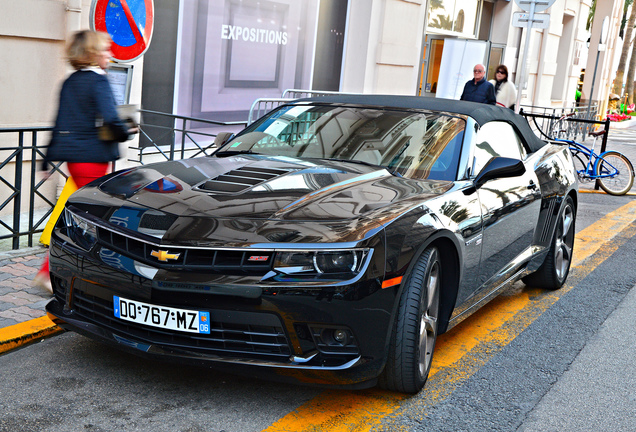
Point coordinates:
pixel 16 269
pixel 34 263
pixel 27 259
pixel 6 322
pixel 19 298
pixel 31 313
pixel 17 283
pixel 41 304
pixel 17 315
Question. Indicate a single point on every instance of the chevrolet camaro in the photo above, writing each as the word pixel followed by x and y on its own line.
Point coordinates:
pixel 330 242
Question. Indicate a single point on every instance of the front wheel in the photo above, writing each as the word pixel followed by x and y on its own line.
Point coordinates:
pixel 415 330
pixel 617 172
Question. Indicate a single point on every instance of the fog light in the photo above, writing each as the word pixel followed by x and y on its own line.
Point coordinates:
pixel 340 336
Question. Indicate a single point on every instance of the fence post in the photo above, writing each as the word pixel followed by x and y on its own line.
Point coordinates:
pixel 183 138
pixel 34 165
pixel 607 128
pixel 18 187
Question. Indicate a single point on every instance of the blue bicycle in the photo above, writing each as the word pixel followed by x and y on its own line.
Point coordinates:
pixel 612 169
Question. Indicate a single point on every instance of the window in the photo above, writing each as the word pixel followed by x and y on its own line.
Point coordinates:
pixel 496 139
pixel 457 17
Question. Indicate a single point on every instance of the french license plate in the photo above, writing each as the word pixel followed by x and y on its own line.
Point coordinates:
pixel 162 316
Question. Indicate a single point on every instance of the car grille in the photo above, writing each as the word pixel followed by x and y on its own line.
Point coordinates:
pixel 232 333
pixel 235 262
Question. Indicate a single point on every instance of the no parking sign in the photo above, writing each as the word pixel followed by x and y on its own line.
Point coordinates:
pixel 128 22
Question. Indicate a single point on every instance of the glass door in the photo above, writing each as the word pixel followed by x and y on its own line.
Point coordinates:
pixel 432 61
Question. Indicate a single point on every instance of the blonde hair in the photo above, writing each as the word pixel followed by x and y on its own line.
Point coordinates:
pixel 85 47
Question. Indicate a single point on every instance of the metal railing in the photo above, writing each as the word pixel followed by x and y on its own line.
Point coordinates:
pixel 262 106
pixel 185 137
pixel 579 119
pixel 18 167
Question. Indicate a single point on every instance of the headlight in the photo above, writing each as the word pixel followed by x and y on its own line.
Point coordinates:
pixel 319 262
pixel 81 232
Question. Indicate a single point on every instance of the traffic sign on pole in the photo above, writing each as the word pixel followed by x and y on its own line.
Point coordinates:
pixel 531 6
pixel 129 23
pixel 520 19
pixel 539 5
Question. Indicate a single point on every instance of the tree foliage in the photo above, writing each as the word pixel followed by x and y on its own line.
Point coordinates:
pixel 620 71
pixel 626 6
pixel 590 16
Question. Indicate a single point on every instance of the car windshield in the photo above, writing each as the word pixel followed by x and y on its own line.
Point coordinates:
pixel 417 145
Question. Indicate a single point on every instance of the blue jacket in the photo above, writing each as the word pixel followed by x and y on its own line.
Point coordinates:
pixel 85 99
pixel 483 92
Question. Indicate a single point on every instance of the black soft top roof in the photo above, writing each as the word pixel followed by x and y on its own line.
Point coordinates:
pixel 481 113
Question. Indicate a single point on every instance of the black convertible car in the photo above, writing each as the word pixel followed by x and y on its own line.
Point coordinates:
pixel 329 242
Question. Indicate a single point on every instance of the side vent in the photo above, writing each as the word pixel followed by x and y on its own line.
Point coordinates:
pixel 240 179
pixel 549 214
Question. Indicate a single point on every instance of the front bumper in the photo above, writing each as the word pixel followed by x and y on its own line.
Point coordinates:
pixel 284 333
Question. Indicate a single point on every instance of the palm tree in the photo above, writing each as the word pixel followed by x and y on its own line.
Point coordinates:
pixel 629 85
pixel 627 42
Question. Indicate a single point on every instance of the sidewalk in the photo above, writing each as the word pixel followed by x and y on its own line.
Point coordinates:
pixel 22 315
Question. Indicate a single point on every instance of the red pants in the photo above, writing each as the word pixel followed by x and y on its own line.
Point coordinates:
pixel 84 172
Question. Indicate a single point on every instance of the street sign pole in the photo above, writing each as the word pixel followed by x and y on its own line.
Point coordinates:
pixel 522 77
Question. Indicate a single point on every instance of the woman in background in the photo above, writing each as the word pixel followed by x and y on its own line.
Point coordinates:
pixel 86 105
pixel 505 91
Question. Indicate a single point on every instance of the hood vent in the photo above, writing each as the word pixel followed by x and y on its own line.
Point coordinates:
pixel 240 179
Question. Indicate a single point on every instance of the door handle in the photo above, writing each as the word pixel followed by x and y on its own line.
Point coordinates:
pixel 532 185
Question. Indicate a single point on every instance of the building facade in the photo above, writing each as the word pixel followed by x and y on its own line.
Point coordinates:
pixel 212 58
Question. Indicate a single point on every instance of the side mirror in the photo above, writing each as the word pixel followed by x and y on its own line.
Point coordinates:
pixel 221 138
pixel 497 167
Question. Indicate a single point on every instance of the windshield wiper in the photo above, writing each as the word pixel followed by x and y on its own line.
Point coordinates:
pixel 233 153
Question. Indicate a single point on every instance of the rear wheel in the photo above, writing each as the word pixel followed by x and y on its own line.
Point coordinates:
pixel 415 330
pixel 615 162
pixel 554 270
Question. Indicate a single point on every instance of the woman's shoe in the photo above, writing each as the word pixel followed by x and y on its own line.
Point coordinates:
pixel 43 280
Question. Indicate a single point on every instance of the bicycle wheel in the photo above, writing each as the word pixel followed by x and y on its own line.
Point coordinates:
pixel 620 172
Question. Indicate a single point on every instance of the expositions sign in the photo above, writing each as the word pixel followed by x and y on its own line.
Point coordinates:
pixel 128 22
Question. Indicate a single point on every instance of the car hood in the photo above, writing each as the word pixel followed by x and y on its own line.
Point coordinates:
pixel 253 192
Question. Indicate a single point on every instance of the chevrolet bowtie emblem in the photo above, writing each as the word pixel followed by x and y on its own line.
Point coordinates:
pixel 164 255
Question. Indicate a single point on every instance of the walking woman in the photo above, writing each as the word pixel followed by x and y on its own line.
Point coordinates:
pixel 87 128
pixel 505 91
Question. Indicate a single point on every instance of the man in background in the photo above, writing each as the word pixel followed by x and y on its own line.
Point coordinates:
pixel 478 89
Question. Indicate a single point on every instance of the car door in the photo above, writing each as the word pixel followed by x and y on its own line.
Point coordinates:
pixel 510 206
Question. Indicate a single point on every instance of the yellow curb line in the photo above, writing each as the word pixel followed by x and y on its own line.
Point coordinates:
pixel 603 192
pixel 29 331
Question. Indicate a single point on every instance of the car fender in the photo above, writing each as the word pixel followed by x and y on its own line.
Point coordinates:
pixel 449 248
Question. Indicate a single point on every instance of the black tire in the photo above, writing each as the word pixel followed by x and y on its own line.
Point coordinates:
pixel 415 329
pixel 554 270
pixel 622 182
